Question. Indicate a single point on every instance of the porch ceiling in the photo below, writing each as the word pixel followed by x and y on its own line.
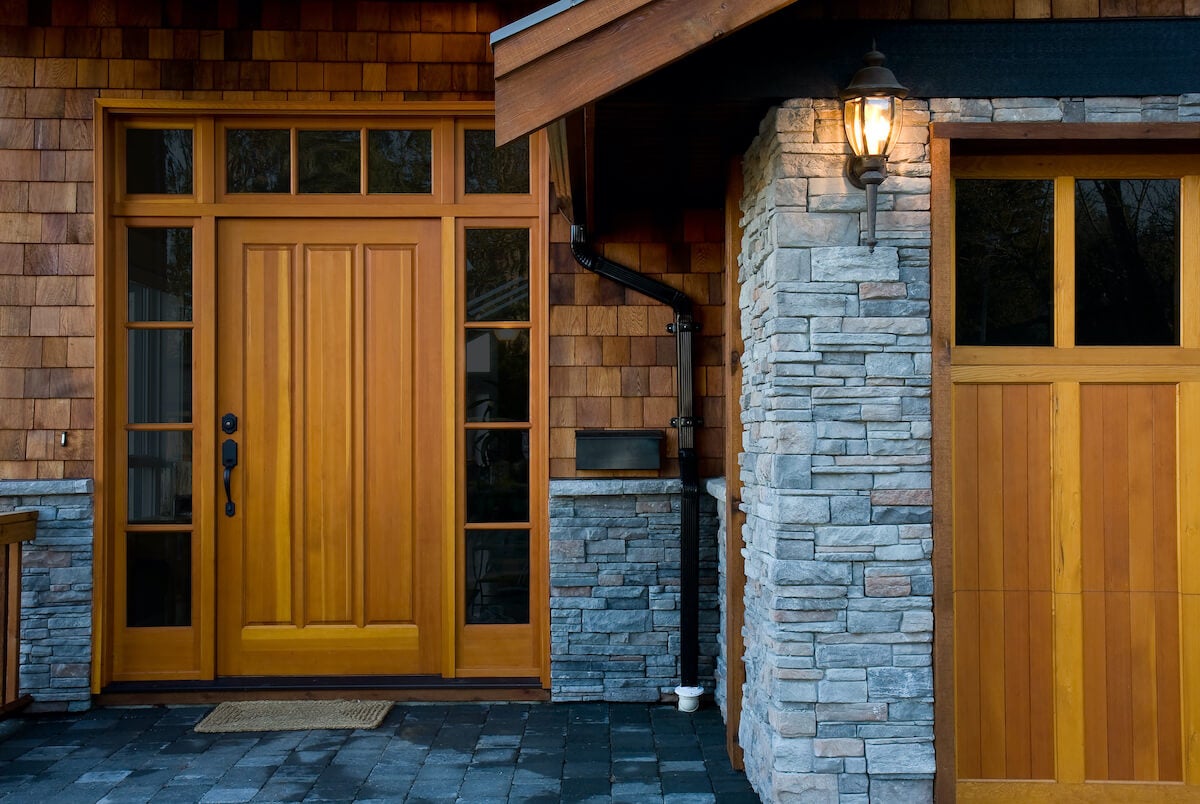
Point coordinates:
pixel 555 62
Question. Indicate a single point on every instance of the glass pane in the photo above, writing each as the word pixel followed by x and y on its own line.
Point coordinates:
pixel 497 570
pixel 328 161
pixel 1004 262
pixel 497 475
pixel 400 161
pixel 160 376
pixel 160 274
pixel 158 568
pixel 497 375
pixel 158 160
pixel 258 160
pixel 497 274
pixel 1127 262
pixel 495 170
pixel 160 477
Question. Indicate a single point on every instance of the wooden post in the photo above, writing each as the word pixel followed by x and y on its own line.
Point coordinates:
pixel 15 528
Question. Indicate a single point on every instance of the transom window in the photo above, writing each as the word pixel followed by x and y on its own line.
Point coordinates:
pixel 1088 259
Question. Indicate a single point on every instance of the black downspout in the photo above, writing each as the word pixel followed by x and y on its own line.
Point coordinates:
pixel 686 423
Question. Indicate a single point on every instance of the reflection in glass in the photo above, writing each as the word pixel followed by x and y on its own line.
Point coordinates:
pixel 328 161
pixel 495 170
pixel 497 577
pixel 158 569
pixel 258 160
pixel 160 274
pixel 160 477
pixel 1004 262
pixel 1127 262
pixel 497 274
pixel 160 376
pixel 497 362
pixel 400 161
pixel 158 160
pixel 497 475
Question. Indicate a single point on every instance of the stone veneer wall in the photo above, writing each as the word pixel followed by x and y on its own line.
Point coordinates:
pixel 614 589
pixel 56 591
pixel 716 489
pixel 838 704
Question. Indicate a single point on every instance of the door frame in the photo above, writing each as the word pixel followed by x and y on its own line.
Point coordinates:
pixel 448 204
pixel 1025 138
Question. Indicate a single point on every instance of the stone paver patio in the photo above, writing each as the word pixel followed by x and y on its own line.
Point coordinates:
pixel 469 752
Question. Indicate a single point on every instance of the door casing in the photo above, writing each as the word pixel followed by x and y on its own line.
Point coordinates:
pixel 117 649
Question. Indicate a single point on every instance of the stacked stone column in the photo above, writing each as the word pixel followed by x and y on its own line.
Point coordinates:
pixel 838 704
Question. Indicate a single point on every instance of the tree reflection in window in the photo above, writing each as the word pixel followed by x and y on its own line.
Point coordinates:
pixel 1127 262
pixel 400 161
pixel 495 170
pixel 497 274
pixel 258 160
pixel 328 161
pixel 158 161
pixel 1004 262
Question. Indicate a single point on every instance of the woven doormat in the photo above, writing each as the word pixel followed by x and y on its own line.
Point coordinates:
pixel 233 716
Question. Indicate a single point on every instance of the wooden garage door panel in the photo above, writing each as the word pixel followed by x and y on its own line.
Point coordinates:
pixel 1002 487
pixel 1128 486
pixel 1003 603
pixel 1129 542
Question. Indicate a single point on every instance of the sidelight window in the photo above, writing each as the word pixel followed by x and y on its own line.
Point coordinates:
pixel 158 438
pixel 496 361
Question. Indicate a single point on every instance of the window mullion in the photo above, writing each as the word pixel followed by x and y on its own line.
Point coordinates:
pixel 1064 262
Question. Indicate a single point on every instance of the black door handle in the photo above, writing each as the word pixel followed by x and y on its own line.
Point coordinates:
pixel 229 459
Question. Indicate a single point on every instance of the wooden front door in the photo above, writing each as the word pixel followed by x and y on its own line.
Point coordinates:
pixel 1075 383
pixel 329 354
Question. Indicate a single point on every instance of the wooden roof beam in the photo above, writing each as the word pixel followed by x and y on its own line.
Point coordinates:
pixel 592 49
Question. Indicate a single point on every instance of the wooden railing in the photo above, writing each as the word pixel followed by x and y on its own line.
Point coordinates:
pixel 15 528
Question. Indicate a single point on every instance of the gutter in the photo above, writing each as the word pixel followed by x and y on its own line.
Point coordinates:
pixel 686 423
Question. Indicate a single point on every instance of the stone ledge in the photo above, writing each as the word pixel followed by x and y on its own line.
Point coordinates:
pixel 715 486
pixel 42 488
pixel 614 487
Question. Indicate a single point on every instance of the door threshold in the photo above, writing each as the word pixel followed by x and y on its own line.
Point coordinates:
pixel 373 688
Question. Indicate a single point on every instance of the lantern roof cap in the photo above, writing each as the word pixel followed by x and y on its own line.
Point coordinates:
pixel 874 80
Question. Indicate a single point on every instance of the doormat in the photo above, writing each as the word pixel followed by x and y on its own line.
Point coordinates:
pixel 233 716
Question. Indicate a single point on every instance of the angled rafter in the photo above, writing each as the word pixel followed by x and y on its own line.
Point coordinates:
pixel 587 51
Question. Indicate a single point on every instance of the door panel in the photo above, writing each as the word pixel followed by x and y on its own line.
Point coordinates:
pixel 328 565
pixel 1130 583
pixel 1002 598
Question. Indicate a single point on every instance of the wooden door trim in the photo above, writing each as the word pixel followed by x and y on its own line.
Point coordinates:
pixel 941 201
pixel 735 564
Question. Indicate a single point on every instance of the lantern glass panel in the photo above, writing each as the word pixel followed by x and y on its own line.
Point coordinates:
pixel 872 125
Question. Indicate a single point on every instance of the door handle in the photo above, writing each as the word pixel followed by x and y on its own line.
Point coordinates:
pixel 229 459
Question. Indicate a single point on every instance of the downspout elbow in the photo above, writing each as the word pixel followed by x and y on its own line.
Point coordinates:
pixel 587 256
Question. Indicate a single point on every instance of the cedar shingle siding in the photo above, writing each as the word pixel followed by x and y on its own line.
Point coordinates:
pixel 611 355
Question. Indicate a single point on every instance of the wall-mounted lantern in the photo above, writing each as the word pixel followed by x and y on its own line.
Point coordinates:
pixel 874 116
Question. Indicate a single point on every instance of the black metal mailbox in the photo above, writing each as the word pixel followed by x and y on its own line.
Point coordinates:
pixel 618 449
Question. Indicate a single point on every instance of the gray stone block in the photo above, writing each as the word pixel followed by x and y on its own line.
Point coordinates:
pixel 900 757
pixel 900 682
pixel 909 791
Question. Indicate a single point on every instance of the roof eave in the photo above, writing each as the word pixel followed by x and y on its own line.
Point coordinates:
pixel 575 53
